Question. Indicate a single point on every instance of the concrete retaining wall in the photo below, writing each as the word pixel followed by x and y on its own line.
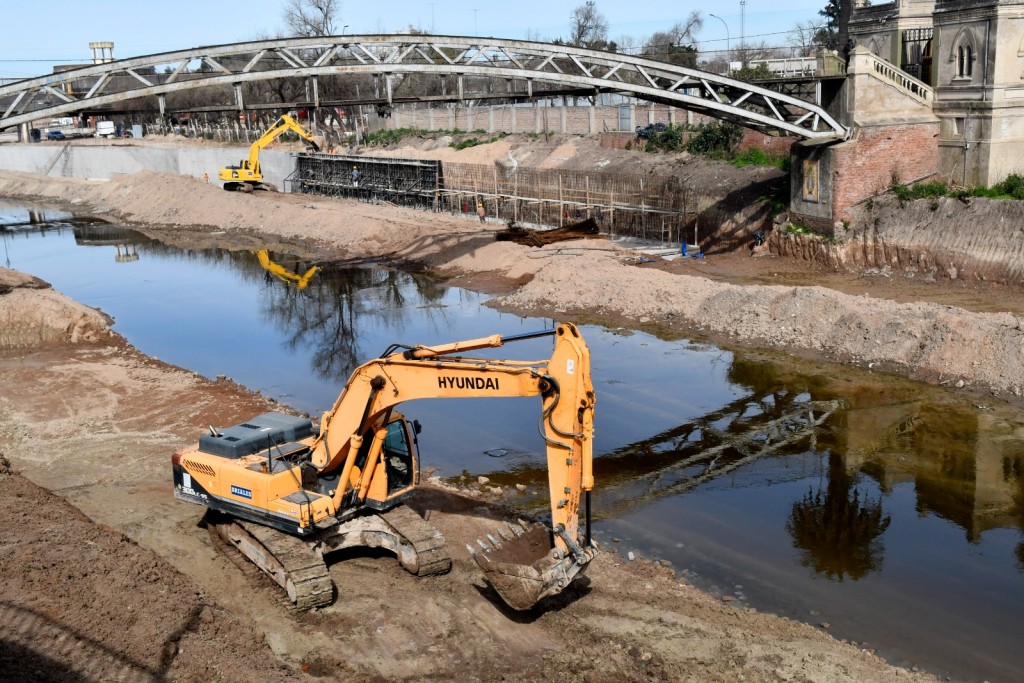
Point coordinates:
pixel 101 162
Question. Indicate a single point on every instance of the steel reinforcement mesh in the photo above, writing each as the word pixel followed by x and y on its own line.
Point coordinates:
pixel 405 182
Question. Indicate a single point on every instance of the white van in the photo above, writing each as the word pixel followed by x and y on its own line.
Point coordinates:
pixel 104 129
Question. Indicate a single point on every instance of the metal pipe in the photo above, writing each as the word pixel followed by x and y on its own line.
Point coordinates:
pixel 527 335
pixel 587 506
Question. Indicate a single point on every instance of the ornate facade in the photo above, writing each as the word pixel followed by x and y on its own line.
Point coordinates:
pixel 971 52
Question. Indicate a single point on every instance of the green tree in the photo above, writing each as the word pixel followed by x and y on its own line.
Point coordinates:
pixel 835 33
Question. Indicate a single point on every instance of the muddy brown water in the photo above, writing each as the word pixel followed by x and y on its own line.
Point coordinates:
pixel 897 523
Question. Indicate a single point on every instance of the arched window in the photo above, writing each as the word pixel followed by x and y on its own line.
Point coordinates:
pixel 963 54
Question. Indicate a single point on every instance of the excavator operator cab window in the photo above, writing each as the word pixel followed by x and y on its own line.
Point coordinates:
pixel 398 456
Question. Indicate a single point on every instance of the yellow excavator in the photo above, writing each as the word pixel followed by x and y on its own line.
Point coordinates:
pixel 285 495
pixel 283 274
pixel 247 177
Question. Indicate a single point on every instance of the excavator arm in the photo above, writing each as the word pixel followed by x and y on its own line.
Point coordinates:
pixel 562 382
pixel 274 471
pixel 523 566
pixel 283 124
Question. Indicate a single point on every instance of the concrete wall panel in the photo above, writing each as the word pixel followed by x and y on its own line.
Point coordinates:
pixel 100 162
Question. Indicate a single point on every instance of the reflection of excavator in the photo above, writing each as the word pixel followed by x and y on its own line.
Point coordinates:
pixel 285 497
pixel 285 275
pixel 247 177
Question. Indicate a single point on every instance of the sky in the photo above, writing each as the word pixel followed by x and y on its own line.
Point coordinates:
pixel 32 39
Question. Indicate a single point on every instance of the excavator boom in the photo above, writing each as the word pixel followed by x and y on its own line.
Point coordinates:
pixel 248 176
pixel 354 465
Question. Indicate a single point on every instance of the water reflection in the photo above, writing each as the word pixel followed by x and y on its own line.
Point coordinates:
pixel 324 318
pixel 838 533
pixel 125 242
pixel 322 311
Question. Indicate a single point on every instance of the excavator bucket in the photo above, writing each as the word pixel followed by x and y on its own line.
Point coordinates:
pixel 523 566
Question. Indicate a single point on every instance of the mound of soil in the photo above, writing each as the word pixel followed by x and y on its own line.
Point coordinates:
pixel 83 602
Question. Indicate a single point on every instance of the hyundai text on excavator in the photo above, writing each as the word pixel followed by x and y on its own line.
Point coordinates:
pixel 247 176
pixel 286 497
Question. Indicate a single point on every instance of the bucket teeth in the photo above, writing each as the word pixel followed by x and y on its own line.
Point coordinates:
pixel 506 533
pixel 486 548
pixel 494 542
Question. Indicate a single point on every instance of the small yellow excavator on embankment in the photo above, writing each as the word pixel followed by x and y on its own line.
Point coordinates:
pixel 247 176
pixel 285 497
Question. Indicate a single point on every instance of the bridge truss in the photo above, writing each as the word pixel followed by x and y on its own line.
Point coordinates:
pixel 408 68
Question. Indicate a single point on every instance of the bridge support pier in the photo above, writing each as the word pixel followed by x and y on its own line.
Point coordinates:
pixel 831 182
pixel 894 141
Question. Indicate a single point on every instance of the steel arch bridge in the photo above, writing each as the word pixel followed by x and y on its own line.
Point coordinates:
pixel 462 64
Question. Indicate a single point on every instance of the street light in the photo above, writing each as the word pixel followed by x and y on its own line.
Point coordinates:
pixel 343 29
pixel 727 49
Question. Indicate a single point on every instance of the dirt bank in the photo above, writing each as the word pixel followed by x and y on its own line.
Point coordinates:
pixel 137 591
pixel 588 278
pixel 975 239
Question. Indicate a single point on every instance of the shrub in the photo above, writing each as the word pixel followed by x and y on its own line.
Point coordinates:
pixel 715 140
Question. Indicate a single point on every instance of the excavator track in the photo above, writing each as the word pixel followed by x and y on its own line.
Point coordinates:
pixel 429 546
pixel 289 561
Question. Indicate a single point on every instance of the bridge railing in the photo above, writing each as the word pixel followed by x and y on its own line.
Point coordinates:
pixel 891 73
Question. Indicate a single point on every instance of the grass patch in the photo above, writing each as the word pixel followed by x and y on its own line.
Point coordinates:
pixel 759 157
pixel 392 136
pixel 1009 189
pixel 473 142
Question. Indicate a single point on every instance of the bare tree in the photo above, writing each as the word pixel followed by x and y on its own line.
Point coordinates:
pixel 628 45
pixel 806 37
pixel 676 44
pixel 312 17
pixel 588 27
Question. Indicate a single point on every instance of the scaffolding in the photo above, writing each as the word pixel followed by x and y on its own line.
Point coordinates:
pixel 662 208
pixel 649 207
pixel 404 182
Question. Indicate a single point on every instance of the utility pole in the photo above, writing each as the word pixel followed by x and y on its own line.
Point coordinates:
pixel 743 32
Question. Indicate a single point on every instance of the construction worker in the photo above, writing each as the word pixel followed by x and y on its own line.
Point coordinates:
pixel 206 177
pixel 480 212
pixel 355 176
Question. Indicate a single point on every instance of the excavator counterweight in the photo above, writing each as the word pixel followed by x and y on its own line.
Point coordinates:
pixel 285 494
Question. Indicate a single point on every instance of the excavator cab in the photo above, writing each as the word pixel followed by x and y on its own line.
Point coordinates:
pixel 401 462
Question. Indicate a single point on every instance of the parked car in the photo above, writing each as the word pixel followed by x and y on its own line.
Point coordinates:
pixel 648 131
pixel 55 135
pixel 105 129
